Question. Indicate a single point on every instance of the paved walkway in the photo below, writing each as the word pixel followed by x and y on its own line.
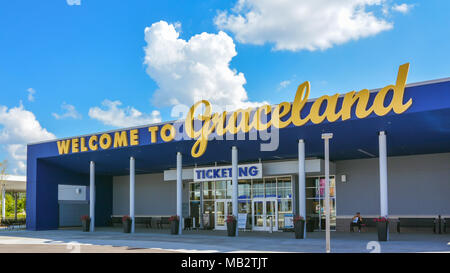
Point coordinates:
pixel 112 240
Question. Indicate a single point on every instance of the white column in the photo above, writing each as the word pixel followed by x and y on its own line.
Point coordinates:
pixel 383 175
pixel 234 173
pixel 132 191
pixel 92 195
pixel 201 206
pixel 179 191
pixel 384 209
pixel 301 182
pixel 326 138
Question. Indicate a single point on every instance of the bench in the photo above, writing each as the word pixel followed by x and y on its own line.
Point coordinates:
pixel 417 223
pixel 144 220
pixel 162 221
pixel 116 220
pixel 138 220
pixel 366 223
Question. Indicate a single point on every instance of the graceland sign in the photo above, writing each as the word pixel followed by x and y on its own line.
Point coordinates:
pixel 217 122
pixel 244 120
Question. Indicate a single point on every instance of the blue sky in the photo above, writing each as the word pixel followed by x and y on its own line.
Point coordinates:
pixel 74 56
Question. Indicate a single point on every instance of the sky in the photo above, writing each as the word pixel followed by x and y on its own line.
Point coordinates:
pixel 73 67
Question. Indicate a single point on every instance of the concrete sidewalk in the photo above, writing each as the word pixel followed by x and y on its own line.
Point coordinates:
pixel 112 239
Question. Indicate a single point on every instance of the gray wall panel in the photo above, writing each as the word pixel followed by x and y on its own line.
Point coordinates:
pixel 70 213
pixel 418 185
pixel 154 196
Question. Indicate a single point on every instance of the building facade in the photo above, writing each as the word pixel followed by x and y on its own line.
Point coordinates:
pixel 389 156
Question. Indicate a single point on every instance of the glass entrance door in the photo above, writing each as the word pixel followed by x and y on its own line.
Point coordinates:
pixel 265 214
pixel 258 214
pixel 223 208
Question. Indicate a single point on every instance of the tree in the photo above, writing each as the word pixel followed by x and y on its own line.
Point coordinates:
pixel 10 204
pixel 9 198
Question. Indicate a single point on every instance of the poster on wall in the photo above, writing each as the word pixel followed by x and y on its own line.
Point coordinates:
pixel 289 221
pixel 322 186
pixel 242 220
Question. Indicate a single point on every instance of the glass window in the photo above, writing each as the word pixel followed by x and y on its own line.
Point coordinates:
pixel 195 196
pixel 310 183
pixel 244 189
pixel 310 192
pixel 315 202
pixel 208 206
pixel 194 191
pixel 284 182
pixel 245 206
pixel 230 189
pixel 258 188
pixel 248 189
pixel 208 190
pixel 332 187
pixel 271 187
pixel 284 185
pixel 221 185
pixel 285 205
pixel 221 188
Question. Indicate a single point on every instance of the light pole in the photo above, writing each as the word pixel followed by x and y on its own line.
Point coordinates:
pixel 326 138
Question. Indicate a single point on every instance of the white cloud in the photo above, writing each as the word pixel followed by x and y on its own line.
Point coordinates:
pixel 302 25
pixel 17 151
pixel 187 71
pixel 283 84
pixel 18 127
pixel 31 93
pixel 122 117
pixel 69 112
pixel 402 8
pixel 73 2
pixel 18 156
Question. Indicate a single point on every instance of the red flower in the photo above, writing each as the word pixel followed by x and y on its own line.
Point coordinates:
pixel 85 218
pixel 230 219
pixel 173 218
pixel 381 220
pixel 298 218
pixel 126 218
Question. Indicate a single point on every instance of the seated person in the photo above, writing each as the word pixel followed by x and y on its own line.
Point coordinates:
pixel 356 221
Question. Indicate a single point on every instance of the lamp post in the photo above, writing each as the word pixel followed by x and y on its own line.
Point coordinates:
pixel 326 138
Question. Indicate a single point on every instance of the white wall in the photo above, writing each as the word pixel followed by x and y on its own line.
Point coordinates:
pixel 72 193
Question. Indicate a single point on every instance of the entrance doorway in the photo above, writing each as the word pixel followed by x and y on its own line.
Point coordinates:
pixel 265 214
pixel 223 208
